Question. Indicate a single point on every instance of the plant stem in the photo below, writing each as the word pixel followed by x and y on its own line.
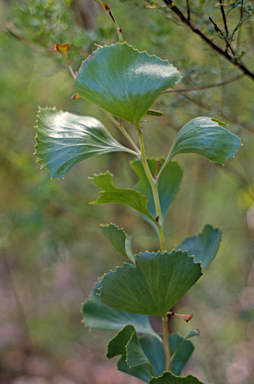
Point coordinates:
pixel 154 186
pixel 124 132
pixel 166 344
pixel 119 30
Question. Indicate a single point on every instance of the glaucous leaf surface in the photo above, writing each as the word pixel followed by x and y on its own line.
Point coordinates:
pixel 119 240
pixel 97 315
pixel 180 348
pixel 64 139
pixel 123 81
pixel 206 137
pixel 111 194
pixel 169 378
pixel 204 246
pixel 153 286
pixel 168 185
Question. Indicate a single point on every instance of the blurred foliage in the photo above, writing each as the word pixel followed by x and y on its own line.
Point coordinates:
pixel 48 231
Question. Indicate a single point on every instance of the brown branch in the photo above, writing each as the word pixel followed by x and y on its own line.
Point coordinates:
pixel 239 32
pixel 188 10
pixel 214 46
pixel 223 35
pixel 206 86
pixel 224 17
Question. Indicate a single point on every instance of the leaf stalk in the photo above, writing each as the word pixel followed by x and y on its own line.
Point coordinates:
pixel 119 125
pixel 118 29
pixel 154 186
pixel 166 344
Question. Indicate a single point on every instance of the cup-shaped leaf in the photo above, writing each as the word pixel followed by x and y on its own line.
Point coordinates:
pixel 64 139
pixel 119 240
pixel 97 315
pixel 153 286
pixel 204 246
pixel 123 81
pixel 206 137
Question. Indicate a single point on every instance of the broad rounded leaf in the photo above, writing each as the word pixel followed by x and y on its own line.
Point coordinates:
pixel 206 137
pixel 153 286
pixel 204 246
pixel 64 139
pixel 97 315
pixel 119 240
pixel 169 378
pixel 123 81
pixel 111 194
pixel 168 185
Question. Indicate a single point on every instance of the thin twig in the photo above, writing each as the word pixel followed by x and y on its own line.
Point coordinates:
pixel 214 46
pixel 223 35
pixel 188 10
pixel 224 18
pixel 118 29
pixel 206 86
pixel 124 132
pixel 239 31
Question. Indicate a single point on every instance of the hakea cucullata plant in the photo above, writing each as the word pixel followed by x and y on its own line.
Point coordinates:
pixel 125 83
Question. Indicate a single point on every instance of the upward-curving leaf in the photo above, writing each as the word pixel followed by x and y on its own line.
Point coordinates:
pixel 204 246
pixel 123 81
pixel 119 240
pixel 206 137
pixel 111 194
pixel 64 139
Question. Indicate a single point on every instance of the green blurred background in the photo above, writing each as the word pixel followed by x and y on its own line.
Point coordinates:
pixel 52 247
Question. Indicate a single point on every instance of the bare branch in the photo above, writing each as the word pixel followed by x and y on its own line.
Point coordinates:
pixel 223 35
pixel 224 17
pixel 188 10
pixel 239 31
pixel 206 86
pixel 215 47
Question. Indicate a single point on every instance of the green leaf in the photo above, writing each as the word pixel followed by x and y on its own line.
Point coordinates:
pixel 206 137
pixel 117 346
pixel 140 371
pixel 204 246
pixel 127 342
pixel 169 378
pixel 168 185
pixel 112 194
pixel 151 287
pixel 124 81
pixel 64 139
pixel 119 240
pixel 180 348
pixel 97 315
pixel 135 355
